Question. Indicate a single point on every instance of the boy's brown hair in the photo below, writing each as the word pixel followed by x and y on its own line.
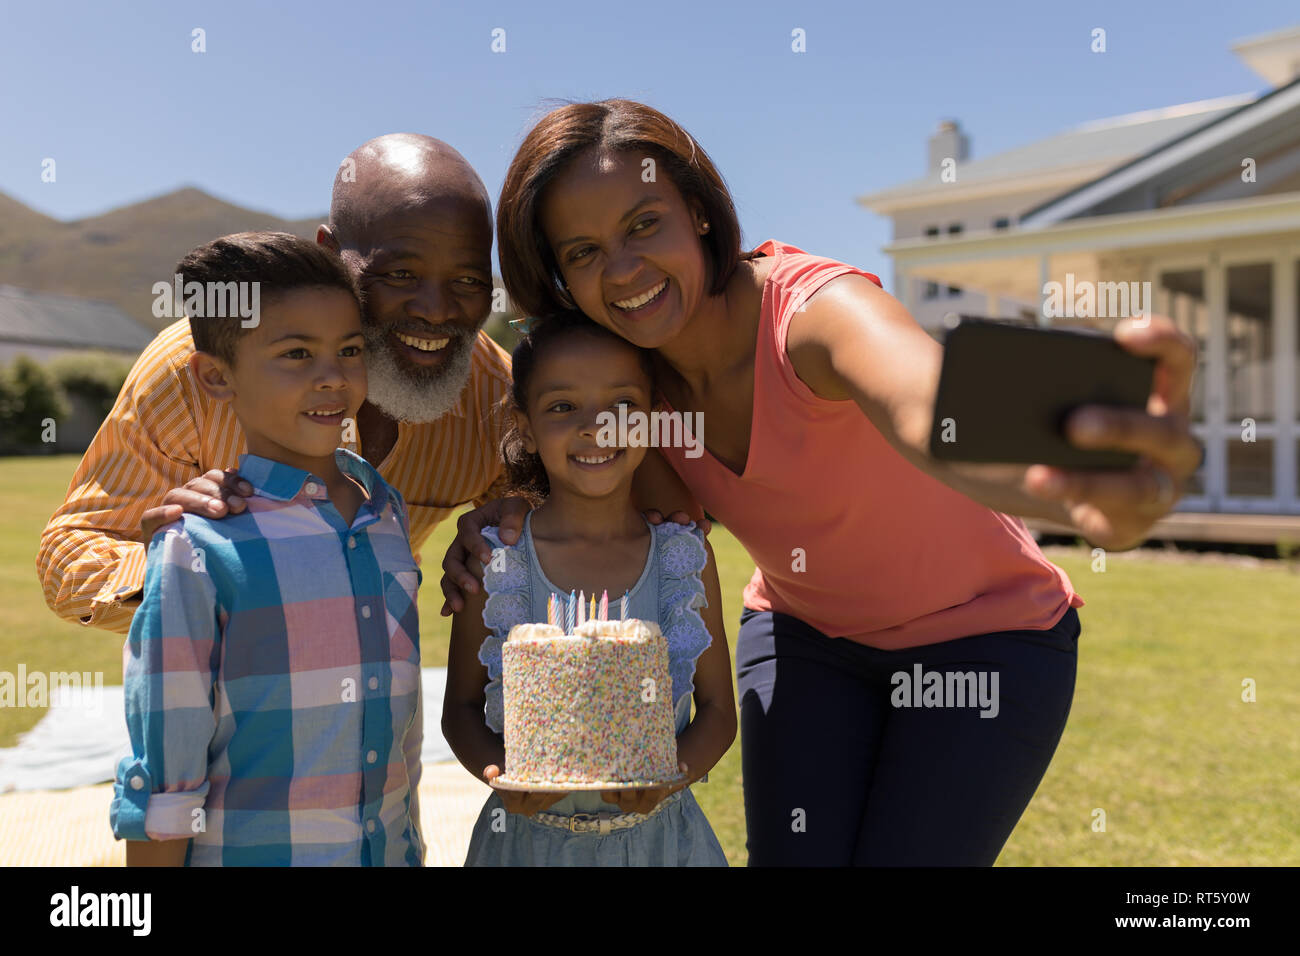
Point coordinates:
pixel 278 262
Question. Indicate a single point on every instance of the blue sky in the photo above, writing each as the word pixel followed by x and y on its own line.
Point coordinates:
pixel 115 95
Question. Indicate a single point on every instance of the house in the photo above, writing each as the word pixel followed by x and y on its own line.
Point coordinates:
pixel 45 326
pixel 1201 201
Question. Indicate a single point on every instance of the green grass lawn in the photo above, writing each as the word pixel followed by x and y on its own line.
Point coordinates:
pixel 1158 738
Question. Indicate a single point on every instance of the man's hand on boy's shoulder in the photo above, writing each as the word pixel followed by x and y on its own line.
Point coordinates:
pixel 212 495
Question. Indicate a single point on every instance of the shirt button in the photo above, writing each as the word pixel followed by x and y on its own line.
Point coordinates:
pixel 352 542
pixel 370 826
pixel 311 488
pixel 374 683
pixel 137 783
pixel 365 610
pixel 372 757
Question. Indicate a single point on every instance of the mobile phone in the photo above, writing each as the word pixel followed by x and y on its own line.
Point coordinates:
pixel 1006 390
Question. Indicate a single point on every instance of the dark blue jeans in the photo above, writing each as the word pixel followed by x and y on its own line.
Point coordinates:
pixel 858 756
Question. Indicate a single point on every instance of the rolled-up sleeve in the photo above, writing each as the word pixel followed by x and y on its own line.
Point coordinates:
pixel 169 668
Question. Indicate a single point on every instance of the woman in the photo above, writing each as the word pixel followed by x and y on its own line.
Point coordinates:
pixel 906 657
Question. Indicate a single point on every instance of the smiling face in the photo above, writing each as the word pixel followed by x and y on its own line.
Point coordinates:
pixel 295 377
pixel 572 383
pixel 426 280
pixel 629 251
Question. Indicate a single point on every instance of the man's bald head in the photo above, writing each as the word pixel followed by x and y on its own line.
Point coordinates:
pixel 413 222
pixel 399 173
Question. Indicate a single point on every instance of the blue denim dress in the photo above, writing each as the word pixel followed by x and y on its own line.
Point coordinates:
pixel 669 592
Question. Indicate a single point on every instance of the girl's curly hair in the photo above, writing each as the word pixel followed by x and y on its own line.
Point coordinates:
pixel 525 473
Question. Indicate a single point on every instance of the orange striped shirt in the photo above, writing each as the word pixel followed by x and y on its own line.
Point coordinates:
pixel 164 431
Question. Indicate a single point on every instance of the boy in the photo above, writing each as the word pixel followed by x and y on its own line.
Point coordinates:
pixel 272 671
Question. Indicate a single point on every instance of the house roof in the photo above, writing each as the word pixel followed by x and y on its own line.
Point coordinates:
pixel 1105 142
pixel 44 318
pixel 1228 124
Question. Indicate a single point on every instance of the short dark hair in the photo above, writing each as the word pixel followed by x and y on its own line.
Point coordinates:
pixel 528 268
pixel 525 473
pixel 278 261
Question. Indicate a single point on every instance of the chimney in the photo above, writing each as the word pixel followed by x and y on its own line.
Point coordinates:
pixel 948 142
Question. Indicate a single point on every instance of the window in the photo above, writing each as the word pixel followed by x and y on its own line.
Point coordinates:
pixel 1250 342
pixel 1002 222
pixel 1181 296
pixel 1250 467
pixel 954 229
pixel 932 290
pixel 953 291
pixel 931 232
pixel 1251 364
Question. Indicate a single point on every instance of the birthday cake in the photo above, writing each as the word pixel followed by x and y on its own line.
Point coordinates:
pixel 590 709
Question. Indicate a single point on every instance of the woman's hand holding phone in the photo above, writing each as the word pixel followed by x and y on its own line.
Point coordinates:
pixel 1115 510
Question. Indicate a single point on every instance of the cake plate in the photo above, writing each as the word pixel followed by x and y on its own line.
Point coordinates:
pixel 508 783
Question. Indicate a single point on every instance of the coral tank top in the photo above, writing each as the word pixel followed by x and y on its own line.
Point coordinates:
pixel 847 535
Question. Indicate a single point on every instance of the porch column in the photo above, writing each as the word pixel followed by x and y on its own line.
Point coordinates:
pixel 1284 379
pixel 1044 277
pixel 1216 387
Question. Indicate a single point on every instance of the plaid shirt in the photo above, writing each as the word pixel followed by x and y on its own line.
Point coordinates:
pixel 272 680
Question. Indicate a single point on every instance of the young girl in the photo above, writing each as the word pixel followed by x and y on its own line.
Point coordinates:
pixel 586 536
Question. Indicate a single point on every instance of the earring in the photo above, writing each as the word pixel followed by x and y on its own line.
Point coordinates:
pixel 704 227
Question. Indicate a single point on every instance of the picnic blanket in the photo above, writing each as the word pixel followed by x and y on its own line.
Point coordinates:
pixel 82 737
pixel 70 827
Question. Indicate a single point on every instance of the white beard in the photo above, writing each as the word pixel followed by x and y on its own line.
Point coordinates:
pixel 415 398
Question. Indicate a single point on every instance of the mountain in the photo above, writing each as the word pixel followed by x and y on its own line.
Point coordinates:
pixel 118 256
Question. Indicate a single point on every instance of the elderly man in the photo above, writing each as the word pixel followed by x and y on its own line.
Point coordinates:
pixel 413 221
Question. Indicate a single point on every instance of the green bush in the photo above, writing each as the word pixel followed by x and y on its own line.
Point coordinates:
pixel 1288 550
pixel 29 395
pixel 500 330
pixel 95 377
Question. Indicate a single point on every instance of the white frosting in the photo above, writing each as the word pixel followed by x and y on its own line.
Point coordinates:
pixel 641 630
pixel 524 632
